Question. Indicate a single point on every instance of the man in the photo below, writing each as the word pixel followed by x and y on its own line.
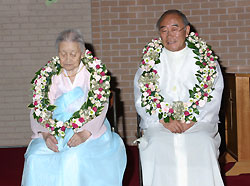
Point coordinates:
pixel 181 140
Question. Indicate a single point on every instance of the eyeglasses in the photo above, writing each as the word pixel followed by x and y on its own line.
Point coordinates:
pixel 173 30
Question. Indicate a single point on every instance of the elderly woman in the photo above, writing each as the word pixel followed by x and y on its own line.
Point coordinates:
pixel 81 151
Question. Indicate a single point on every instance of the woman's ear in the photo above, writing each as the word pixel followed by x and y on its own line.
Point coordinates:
pixel 83 53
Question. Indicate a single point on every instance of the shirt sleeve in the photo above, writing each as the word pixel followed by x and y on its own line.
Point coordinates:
pixel 36 128
pixel 147 120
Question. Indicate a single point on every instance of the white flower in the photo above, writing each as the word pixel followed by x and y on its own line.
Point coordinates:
pixel 38 112
pixel 91 112
pixel 165 108
pixel 197 96
pixel 202 103
pixel 97 77
pixel 197 45
pixel 191 100
pixel 39 82
pixel 188 104
pixel 151 63
pixel 158 50
pixel 146 60
pixel 40 106
pixel 151 44
pixel 204 76
pixel 145 94
pixel 103 99
pixel 52 121
pixel 97 62
pixel 59 124
pixel 190 110
pixel 190 117
pixel 147 107
pixel 48 69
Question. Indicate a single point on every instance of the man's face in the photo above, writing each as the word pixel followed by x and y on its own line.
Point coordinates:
pixel 173 32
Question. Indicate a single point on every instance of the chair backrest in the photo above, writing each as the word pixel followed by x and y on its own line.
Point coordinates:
pixel 112 112
pixel 139 133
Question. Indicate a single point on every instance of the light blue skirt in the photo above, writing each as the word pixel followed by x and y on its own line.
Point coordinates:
pixel 96 162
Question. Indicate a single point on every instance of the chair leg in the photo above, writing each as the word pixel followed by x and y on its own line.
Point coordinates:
pixel 140 171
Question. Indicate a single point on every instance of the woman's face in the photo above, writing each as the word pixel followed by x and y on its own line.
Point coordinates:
pixel 70 55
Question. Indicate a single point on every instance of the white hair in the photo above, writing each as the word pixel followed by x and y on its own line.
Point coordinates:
pixel 72 35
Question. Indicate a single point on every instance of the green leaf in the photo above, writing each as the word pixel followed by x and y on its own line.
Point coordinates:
pixel 208 46
pixel 76 115
pixel 34 116
pixel 33 80
pixel 191 93
pixel 108 78
pixel 157 61
pixel 191 45
pixel 209 98
pixel 59 70
pixel 194 119
pixel 51 107
pixel 160 115
pixel 166 120
pixel 46 101
pixel 31 105
pixel 199 63
pixel 196 111
pixel 49 2
pixel 196 52
pixel 148 111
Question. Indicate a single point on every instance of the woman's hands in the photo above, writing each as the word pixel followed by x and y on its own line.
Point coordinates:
pixel 50 141
pixel 75 140
pixel 79 138
pixel 176 126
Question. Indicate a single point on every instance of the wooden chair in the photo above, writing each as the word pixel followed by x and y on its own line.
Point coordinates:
pixel 112 112
pixel 139 134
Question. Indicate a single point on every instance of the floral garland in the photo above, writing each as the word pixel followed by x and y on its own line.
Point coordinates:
pixel 97 95
pixel 200 94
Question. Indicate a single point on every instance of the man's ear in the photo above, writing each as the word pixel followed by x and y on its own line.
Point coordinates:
pixel 187 30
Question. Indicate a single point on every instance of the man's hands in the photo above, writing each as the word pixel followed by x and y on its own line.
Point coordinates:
pixel 176 126
pixel 75 140
pixel 79 138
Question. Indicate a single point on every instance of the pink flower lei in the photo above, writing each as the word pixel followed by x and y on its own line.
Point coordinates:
pixel 200 94
pixel 97 96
